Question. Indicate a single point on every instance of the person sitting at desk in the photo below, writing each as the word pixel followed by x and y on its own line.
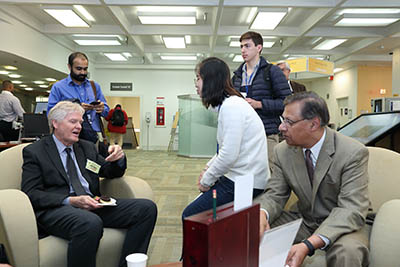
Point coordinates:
pixel 241 140
pixel 328 172
pixel 60 175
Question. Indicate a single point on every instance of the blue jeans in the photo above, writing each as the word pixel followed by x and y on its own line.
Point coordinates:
pixel 225 194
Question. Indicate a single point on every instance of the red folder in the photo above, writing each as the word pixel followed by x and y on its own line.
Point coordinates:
pixel 230 240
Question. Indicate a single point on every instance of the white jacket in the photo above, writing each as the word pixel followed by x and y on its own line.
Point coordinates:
pixel 242 145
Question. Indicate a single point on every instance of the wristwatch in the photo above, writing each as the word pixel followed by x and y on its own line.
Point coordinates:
pixel 310 247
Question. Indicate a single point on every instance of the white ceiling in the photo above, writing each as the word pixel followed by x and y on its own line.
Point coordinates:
pixel 217 20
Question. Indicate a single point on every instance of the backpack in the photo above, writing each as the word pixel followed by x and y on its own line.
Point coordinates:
pixel 117 118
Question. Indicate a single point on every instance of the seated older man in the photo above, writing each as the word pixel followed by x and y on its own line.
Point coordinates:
pixel 61 177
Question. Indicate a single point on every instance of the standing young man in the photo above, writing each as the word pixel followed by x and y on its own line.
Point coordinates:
pixel 77 87
pixel 263 85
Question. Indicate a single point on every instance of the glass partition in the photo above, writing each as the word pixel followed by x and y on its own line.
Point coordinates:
pixel 197 128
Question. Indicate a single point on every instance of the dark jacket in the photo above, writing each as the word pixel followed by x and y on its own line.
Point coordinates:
pixel 45 180
pixel 270 94
pixel 297 87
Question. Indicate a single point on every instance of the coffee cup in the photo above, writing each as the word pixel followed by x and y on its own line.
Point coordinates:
pixel 136 260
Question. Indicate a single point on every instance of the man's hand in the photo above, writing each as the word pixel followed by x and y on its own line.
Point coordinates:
pixel 296 255
pixel 254 103
pixel 99 108
pixel 264 224
pixel 86 106
pixel 84 202
pixel 115 153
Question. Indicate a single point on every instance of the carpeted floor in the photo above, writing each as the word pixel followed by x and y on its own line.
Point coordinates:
pixel 173 180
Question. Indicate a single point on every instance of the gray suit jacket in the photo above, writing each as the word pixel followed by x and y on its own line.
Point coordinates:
pixel 338 202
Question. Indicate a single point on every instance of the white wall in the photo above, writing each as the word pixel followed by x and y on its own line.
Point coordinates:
pixel 149 84
pixel 344 84
pixel 23 41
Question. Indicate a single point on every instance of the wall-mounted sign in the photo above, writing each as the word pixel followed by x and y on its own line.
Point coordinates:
pixel 121 87
pixel 308 64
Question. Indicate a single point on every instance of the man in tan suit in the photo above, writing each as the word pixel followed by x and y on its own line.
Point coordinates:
pixel 328 172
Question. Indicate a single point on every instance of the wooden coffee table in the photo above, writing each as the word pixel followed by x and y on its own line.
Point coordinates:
pixel 172 264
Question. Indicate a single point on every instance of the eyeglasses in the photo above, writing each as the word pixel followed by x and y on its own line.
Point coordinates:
pixel 289 122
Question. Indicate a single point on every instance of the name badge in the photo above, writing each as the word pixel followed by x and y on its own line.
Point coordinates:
pixel 244 94
pixel 92 166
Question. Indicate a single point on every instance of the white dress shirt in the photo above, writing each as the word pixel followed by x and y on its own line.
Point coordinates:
pixel 10 107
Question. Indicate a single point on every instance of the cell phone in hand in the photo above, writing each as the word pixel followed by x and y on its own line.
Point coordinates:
pixel 94 103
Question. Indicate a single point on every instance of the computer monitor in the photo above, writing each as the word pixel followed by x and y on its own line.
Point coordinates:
pixel 35 125
pixel 40 107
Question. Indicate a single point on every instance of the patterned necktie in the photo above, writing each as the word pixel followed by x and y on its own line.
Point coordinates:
pixel 73 175
pixel 309 165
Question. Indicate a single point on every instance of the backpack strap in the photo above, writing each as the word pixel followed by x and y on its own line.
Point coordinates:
pixel 267 77
pixel 100 120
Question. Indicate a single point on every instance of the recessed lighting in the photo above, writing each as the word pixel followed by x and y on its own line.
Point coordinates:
pixel 169 20
pixel 67 17
pixel 48 91
pixel 97 42
pixel 365 22
pixel 43 86
pixel 3 72
pixel 174 42
pixel 115 56
pixel 28 89
pixel 84 12
pixel 38 82
pixel 329 44
pixel 127 54
pixel 193 58
pixel 188 39
pixel 22 85
pixel 238 58
pixel 268 19
pixel 14 76
pixel 16 82
pixel 50 79
pixel 9 67
pixel 370 11
pixel 234 44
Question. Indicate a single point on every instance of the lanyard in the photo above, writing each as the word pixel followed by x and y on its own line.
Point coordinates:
pixel 247 81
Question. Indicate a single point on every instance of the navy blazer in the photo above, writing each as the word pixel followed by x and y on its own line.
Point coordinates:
pixel 44 179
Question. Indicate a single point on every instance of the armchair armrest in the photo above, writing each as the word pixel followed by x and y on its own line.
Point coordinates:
pixel 385 235
pixel 18 230
pixel 126 187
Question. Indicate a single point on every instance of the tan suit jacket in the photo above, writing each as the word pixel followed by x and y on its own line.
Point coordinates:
pixel 338 202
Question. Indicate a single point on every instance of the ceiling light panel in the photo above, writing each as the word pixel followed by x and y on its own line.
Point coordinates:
pixel 329 44
pixel 115 56
pixel 168 19
pixel 174 42
pixel 9 67
pixel 97 42
pixel 370 11
pixel 3 72
pixel 50 79
pixel 268 44
pixel 193 58
pixel 84 12
pixel 38 82
pixel 16 76
pixel 268 19
pixel 67 17
pixel 366 20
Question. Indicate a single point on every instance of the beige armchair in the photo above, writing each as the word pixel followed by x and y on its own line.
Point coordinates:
pixel 18 231
pixel 384 190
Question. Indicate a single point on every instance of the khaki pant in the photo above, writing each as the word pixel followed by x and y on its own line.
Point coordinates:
pixel 116 138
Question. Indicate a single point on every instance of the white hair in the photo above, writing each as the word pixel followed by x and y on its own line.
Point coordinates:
pixel 61 110
pixel 282 62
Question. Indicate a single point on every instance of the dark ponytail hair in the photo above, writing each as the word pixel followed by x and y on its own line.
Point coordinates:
pixel 217 83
